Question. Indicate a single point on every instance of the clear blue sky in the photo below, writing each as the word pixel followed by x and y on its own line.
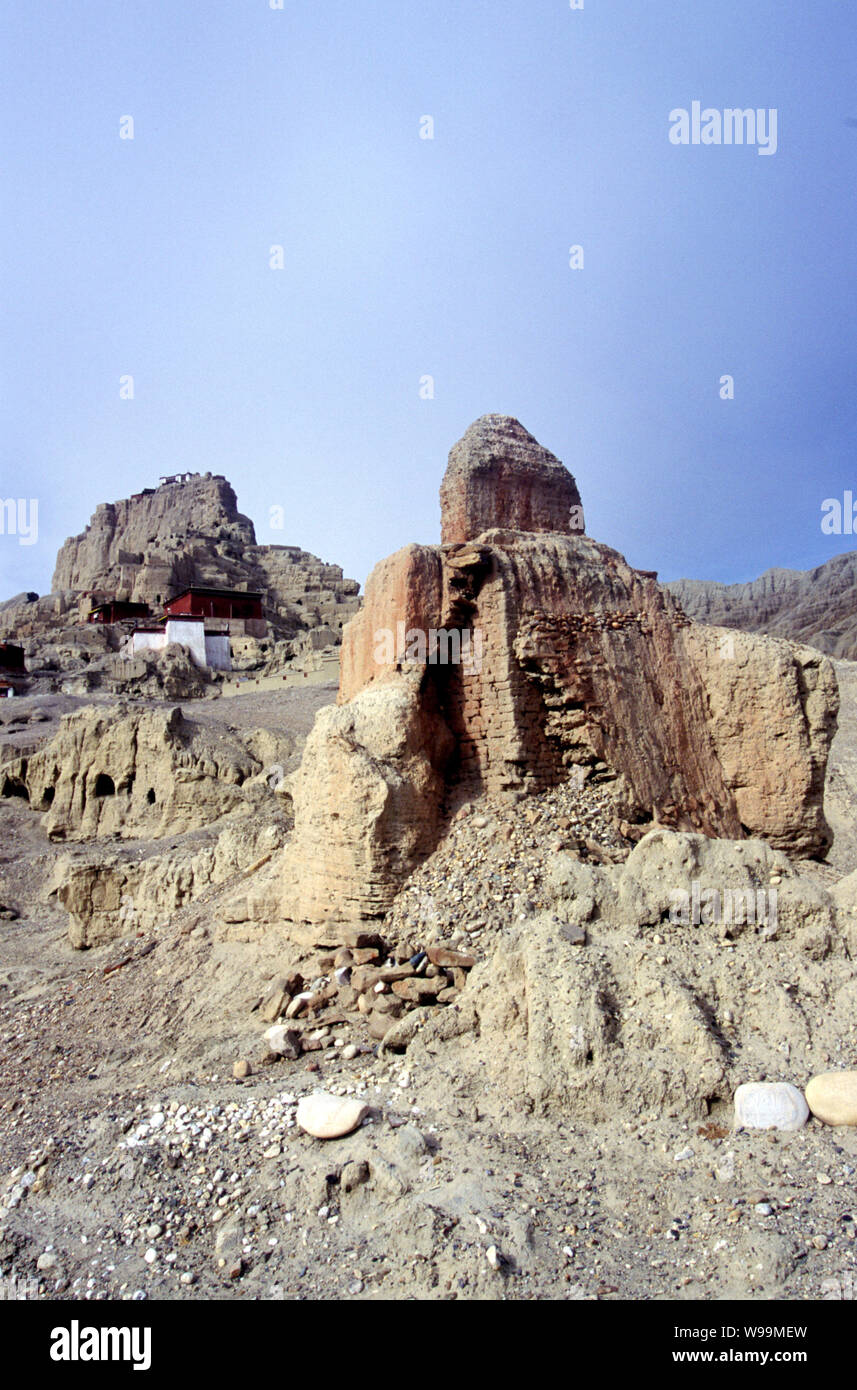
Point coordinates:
pixel 449 257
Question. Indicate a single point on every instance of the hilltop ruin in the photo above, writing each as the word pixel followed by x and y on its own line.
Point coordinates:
pixel 586 663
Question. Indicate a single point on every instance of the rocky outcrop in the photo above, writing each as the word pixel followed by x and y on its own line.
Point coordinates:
pixel 771 708
pixel 126 892
pixel 405 593
pixel 817 606
pixel 367 801
pixel 139 774
pixel 600 1016
pixel 147 546
pixel 168 674
pixel 573 658
pixel 499 475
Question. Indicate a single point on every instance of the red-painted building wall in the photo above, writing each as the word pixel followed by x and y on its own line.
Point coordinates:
pixel 11 657
pixel 116 611
pixel 225 603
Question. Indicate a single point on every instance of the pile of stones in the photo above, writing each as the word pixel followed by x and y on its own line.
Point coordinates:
pixel 489 869
pixel 368 980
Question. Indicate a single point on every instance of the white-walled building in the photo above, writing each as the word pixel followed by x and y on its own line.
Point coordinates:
pixel 207 648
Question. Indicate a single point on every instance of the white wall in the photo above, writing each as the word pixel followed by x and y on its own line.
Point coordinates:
pixel 190 635
pixel 212 649
pixel 217 652
pixel 148 641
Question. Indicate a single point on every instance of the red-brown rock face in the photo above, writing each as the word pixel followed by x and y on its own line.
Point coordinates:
pixel 499 475
pixel 575 658
pixel 583 659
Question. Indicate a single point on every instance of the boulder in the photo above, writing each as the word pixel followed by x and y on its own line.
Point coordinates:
pixel 770 1105
pixel 329 1117
pixel 832 1097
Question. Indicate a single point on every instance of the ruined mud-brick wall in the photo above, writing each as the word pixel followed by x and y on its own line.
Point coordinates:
pixel 585 659
pixel 498 475
pixel 579 665
pixel 496 713
pixel 602 644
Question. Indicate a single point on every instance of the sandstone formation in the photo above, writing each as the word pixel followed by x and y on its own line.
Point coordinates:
pixel 367 801
pixel 771 707
pixel 124 892
pixel 500 476
pixel 168 674
pixel 573 658
pixel 817 606
pixel 137 774
pixel 158 542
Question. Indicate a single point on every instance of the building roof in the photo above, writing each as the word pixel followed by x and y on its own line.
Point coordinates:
pixel 118 603
pixel 216 593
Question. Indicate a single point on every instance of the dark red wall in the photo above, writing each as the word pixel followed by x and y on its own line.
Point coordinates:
pixel 208 606
pixel 11 657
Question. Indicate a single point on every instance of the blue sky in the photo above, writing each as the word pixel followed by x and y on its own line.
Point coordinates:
pixel 406 257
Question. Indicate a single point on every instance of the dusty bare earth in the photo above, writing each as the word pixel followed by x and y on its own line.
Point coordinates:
pixel 133 1165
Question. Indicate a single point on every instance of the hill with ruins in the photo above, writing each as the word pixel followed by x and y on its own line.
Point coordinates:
pixel 146 549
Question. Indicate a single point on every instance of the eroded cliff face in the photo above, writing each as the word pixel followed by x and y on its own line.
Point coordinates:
pixel 147 546
pixel 574 660
pixel 154 808
pixel 124 772
pixel 584 659
pixel 368 800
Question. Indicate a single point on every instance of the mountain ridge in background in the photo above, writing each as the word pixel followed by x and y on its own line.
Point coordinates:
pixel 816 606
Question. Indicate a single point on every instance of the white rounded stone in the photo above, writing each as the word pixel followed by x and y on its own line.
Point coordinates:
pixel 328 1117
pixel 277 1038
pixel 770 1105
